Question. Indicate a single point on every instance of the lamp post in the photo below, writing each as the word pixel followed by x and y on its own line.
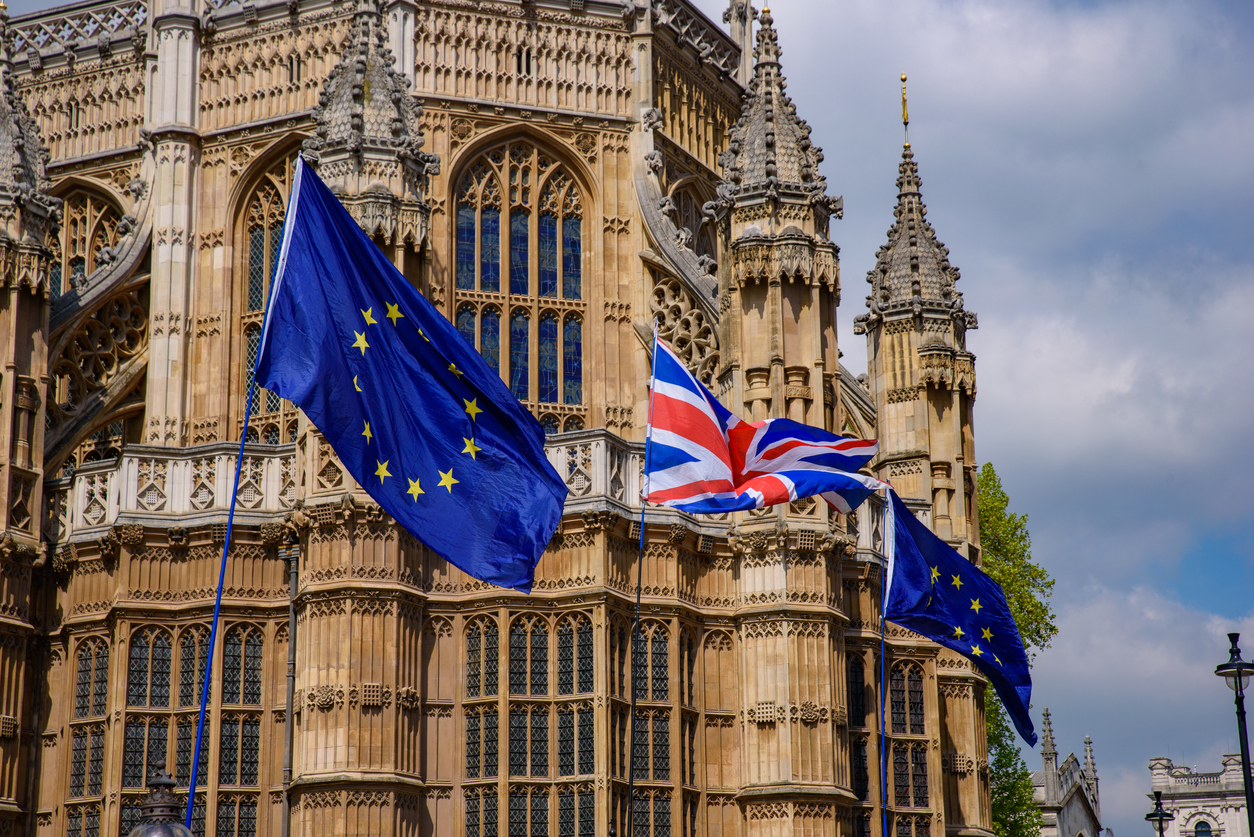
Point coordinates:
pixel 1237 673
pixel 1158 815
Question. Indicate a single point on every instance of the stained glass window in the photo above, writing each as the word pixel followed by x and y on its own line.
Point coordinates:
pixel 466 323
pixel 918 770
pixel 548 254
pixel 922 826
pixel 901 775
pixel 519 355
pixel 856 684
pixel 518 258
pixel 490 250
pixel 572 360
pixel 548 358
pixel 465 259
pixel 572 259
pixel 860 769
pixel 490 338
pixel 897 698
pixel 905 826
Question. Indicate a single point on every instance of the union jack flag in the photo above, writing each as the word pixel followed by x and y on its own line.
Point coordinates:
pixel 702 459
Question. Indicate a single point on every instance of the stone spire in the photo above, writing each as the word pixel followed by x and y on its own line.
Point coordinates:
pixel 23 161
pixel 1090 766
pixel 769 153
pixel 368 145
pixel 912 271
pixel 739 15
pixel 1047 735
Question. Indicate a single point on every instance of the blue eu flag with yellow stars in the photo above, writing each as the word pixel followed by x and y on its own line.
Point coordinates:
pixel 934 591
pixel 418 419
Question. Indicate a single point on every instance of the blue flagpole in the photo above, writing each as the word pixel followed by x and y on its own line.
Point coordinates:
pixel 889 542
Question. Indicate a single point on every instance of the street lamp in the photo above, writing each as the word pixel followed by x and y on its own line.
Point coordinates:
pixel 1158 815
pixel 1237 673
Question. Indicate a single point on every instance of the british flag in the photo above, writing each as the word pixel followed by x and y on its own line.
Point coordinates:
pixel 702 459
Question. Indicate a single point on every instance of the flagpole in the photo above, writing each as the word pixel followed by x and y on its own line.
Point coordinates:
pixel 635 628
pixel 889 543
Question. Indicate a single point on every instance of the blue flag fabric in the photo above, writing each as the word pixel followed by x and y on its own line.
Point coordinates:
pixel 416 416
pixel 934 591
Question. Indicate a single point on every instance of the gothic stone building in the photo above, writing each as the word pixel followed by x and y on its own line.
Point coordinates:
pixel 1208 804
pixel 555 176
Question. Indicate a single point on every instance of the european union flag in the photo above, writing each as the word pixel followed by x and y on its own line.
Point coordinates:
pixel 934 591
pixel 413 412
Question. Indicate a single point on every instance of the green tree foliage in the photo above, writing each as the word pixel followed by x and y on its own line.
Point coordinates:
pixel 1007 555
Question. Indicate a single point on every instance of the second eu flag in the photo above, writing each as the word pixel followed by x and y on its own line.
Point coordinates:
pixel 418 419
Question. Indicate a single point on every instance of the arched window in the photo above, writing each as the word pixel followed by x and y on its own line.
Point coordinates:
pixel 482 658
pixel 148 670
pixel 856 684
pixel 90 224
pixel 517 202
pixel 914 691
pixel 241 666
pixel 239 750
pixel 260 234
pixel 688 204
pixel 1202 829
pixel 193 651
pixel 93 678
pixel 529 657
pixel 650 669
pixel 574 656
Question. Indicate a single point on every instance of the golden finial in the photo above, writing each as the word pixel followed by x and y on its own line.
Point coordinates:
pixel 905 113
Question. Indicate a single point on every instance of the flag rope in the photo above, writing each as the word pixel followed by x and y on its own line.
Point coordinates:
pixel 217 609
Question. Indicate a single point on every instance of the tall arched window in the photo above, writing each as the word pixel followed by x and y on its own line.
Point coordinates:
pixel 148 671
pixel 517 204
pixel 856 684
pixel 90 224
pixel 193 652
pixel 93 678
pixel 260 233
pixel 574 656
pixel 241 666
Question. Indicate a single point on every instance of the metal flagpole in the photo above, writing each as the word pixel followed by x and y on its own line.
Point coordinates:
pixel 886 580
pixel 635 628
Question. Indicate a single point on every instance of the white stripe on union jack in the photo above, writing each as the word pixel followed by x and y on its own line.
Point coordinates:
pixel 703 459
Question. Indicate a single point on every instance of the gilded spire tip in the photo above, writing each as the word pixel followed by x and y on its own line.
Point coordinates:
pixel 905 113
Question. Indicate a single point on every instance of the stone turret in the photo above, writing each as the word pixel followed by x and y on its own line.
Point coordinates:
pixel 739 16
pixel 368 146
pixel 781 286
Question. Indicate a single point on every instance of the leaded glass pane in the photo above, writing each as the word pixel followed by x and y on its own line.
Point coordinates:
pixel 587 813
pixel 131 815
pixel 159 691
pixel 565 659
pixel 489 813
pixel 539 659
pixel 137 671
pixel 517 742
pixel 133 755
pixel 565 813
pixel 474 745
pixel 100 673
pixel 95 764
pixel 82 697
pixel 897 698
pixel 857 692
pixel 256 269
pixel 640 746
pixel 640 816
pixel 232 659
pixel 519 356
pixel 639 666
pixel 565 743
pixel 692 753
pixel 548 254
pixel 74 823
pixel 548 358
pixel 491 659
pixel 252 344
pixel 572 258
pixel 490 338
pixel 915 683
pixel 226 818
pixel 692 669
pixel 901 775
pixel 472 814
pixel 91 823
pixel 247 818
pixel 661 684
pixel 518 659
pixel 661 815
pixel 519 262
pixel 228 752
pixel 517 813
pixel 539 742
pixel 490 249
pixel 78 763
pixel 904 828
pixel 474 661
pixel 922 826
pixel 584 635
pixel 586 745
pixel 466 323
pixel 918 765
pixel 465 258
pixel 572 360
pixel 490 742
pixel 661 746
pixel 250 747
pixel 540 814
pixel 622 660
pixel 157 733
pixel 862 825
pixel 252 669
pixel 183 754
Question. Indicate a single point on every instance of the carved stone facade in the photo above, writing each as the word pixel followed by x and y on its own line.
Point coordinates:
pixel 555 176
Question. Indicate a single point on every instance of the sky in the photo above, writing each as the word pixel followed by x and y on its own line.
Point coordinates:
pixel 1088 165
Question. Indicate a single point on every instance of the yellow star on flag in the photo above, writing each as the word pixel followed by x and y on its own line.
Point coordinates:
pixel 996 660
pixel 424 337
pixel 958 631
pixel 369 315
pixel 935 574
pixel 452 367
pixel 471 448
pixel 472 407
pixel 447 481
pixel 975 605
pixel 361 343
pixel 415 489
pixel 355 384
pixel 976 650
pixel 394 312
pixel 957 580
pixel 987 634
pixel 382 471
pixel 367 433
